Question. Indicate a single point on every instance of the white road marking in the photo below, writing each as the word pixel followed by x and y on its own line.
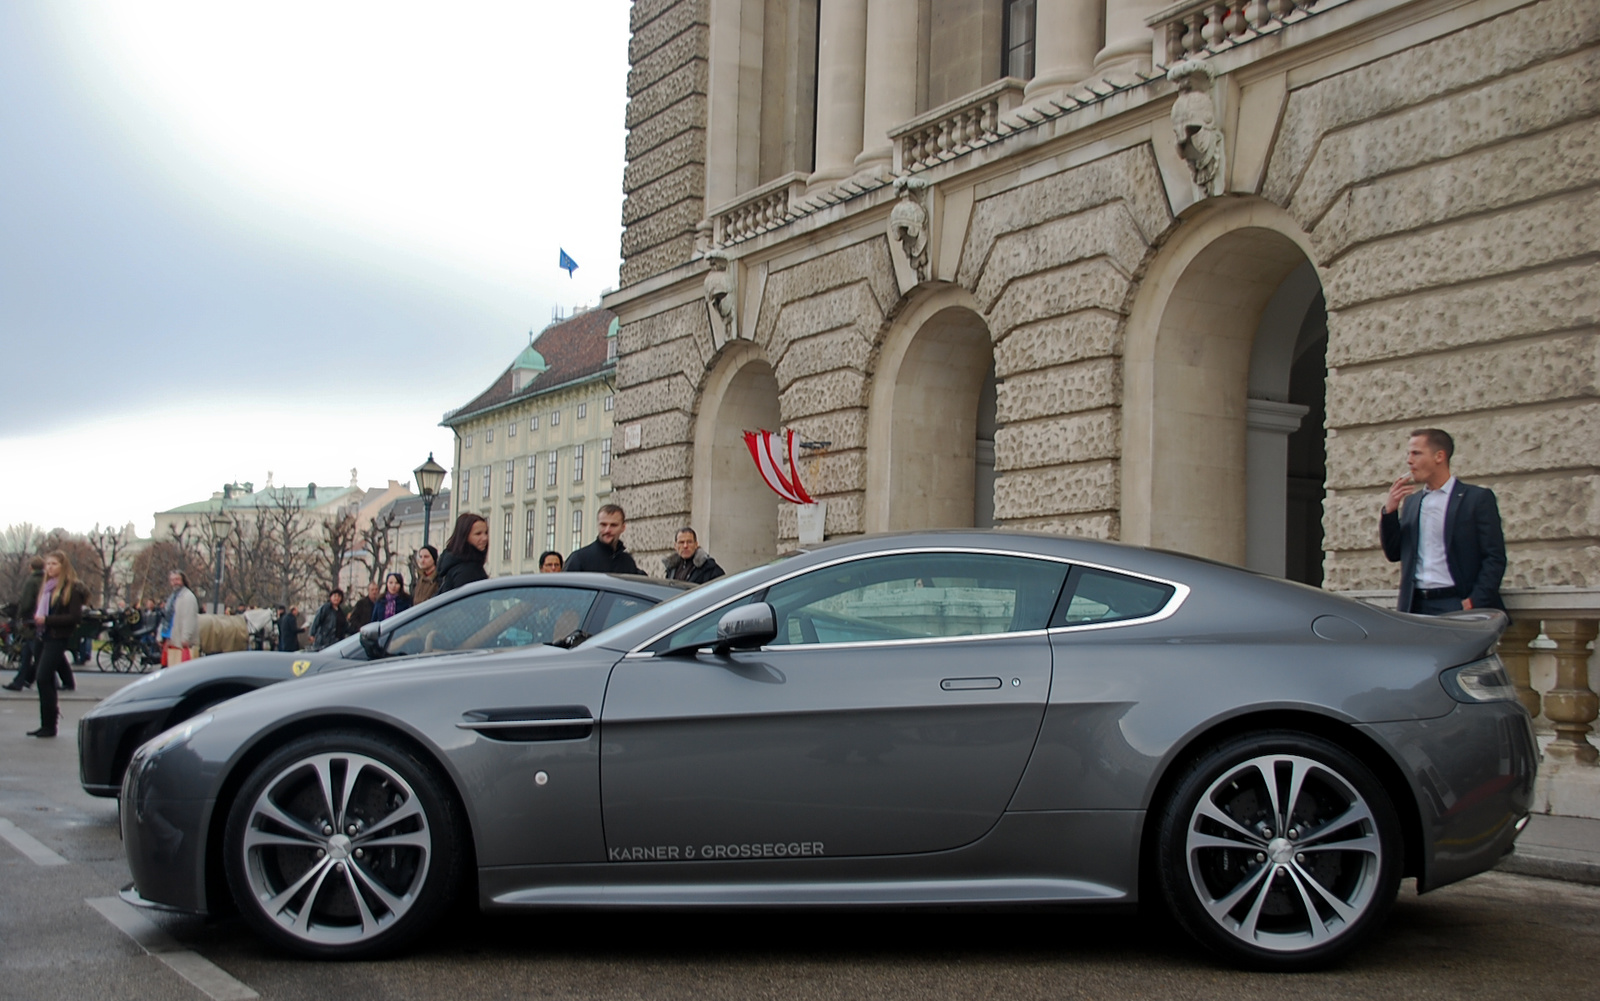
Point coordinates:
pixel 211 979
pixel 29 845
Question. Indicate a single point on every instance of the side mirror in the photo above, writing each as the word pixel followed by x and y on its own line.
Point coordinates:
pixel 746 628
pixel 371 641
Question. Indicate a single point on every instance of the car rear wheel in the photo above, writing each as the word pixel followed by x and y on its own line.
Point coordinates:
pixel 1279 850
pixel 343 845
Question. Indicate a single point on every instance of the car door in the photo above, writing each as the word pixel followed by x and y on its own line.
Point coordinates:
pixel 893 713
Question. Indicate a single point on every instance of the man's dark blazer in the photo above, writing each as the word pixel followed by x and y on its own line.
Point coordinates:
pixel 1475 548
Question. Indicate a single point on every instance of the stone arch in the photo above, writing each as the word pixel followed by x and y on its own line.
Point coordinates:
pixel 932 400
pixel 734 514
pixel 1212 338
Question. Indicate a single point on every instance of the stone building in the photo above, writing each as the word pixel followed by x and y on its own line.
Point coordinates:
pixel 1177 275
pixel 533 451
pixel 409 517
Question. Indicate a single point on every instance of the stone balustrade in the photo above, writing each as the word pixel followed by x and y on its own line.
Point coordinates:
pixel 955 128
pixel 757 210
pixel 1195 27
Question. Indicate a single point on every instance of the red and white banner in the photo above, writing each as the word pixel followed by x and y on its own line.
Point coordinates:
pixel 761 445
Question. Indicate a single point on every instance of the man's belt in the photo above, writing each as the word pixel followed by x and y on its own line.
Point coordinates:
pixel 1430 593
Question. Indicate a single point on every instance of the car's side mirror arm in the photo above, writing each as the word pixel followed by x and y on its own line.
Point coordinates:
pixel 372 641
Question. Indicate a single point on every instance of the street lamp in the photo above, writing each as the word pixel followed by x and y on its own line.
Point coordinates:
pixel 430 476
pixel 220 525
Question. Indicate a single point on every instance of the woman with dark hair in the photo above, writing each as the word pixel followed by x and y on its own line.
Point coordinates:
pixel 56 615
pixel 427 581
pixel 465 553
pixel 550 561
pixel 393 600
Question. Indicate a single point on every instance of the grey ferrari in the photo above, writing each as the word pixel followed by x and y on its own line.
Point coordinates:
pixel 933 719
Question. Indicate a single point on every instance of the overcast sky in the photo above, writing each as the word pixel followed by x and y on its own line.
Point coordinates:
pixel 250 236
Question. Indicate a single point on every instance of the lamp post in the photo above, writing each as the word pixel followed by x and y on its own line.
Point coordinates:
pixel 220 525
pixel 430 476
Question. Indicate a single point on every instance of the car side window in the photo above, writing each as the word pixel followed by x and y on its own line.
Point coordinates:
pixel 494 619
pixel 1102 596
pixel 700 630
pixel 622 607
pixel 916 595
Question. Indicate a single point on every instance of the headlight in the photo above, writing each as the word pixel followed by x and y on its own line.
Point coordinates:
pixel 169 738
pixel 1480 681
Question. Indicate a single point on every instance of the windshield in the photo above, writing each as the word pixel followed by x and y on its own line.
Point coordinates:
pixel 650 622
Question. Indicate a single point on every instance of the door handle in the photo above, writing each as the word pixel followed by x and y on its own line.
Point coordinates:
pixel 968 684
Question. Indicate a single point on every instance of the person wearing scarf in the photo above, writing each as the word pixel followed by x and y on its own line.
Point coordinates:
pixel 393 600
pixel 56 615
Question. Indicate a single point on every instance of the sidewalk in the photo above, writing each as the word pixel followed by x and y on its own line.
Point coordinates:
pixel 1557 848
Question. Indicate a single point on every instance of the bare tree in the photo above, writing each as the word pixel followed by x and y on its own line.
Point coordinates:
pixel 380 540
pixel 18 544
pixel 337 547
pixel 109 546
pixel 152 564
pixel 288 545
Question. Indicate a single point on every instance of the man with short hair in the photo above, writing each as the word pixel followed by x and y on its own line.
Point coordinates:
pixel 688 561
pixel 606 554
pixel 1444 533
pixel 362 613
pixel 330 625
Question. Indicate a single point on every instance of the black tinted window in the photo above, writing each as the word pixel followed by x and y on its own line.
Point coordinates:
pixel 1101 596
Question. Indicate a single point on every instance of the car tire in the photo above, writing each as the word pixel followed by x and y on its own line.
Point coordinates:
pixel 366 887
pixel 1279 851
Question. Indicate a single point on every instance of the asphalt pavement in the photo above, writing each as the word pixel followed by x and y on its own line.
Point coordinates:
pixel 64 934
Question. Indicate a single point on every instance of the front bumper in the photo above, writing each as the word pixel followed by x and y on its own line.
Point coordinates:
pixel 1472 773
pixel 107 740
pixel 164 835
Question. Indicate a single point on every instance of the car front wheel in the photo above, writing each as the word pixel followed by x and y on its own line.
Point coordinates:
pixel 1279 850
pixel 342 845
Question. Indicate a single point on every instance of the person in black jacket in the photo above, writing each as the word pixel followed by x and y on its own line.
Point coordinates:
pixel 29 635
pixel 56 615
pixel 465 553
pixel 330 625
pixel 393 600
pixel 288 630
pixel 606 554
pixel 1445 534
pixel 688 561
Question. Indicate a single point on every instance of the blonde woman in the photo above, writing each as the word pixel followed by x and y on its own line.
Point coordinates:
pixel 55 615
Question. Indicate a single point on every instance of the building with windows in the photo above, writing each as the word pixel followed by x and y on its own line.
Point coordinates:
pixel 533 451
pixel 1179 274
pixel 241 500
pixel 408 512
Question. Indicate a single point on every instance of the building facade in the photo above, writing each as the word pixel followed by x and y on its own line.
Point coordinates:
pixel 1182 276
pixel 410 514
pixel 533 452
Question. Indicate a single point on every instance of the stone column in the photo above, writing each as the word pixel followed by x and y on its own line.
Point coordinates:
pixel 1066 35
pixel 1571 705
pixel 1129 41
pixel 841 86
pixel 891 78
pixel 1514 652
pixel 1268 425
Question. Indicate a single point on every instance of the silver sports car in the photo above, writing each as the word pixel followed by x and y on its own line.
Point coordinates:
pixel 951 719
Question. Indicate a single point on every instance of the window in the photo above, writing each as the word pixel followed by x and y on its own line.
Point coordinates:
pixel 511 477
pixel 577 463
pixel 583 411
pixel 530 533
pixel 550 527
pixel 1101 596
pixel 611 349
pixel 611 403
pixel 1018 29
pixel 550 468
pixel 504 617
pixel 533 423
pixel 488 435
pixel 555 418
pixel 468 442
pixel 533 470
pixel 505 539
pixel 511 430
pixel 577 527
pixel 622 607
pixel 466 483
pixel 917 595
pixel 605 457
pixel 488 473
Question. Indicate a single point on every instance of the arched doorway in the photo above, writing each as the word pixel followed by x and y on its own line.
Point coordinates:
pixel 735 515
pixel 1223 420
pixel 932 422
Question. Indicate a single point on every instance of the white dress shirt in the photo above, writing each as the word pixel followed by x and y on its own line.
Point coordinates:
pixel 1433 567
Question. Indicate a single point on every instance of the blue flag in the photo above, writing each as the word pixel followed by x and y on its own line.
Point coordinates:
pixel 567 264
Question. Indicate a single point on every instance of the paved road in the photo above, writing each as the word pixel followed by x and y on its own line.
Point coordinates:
pixel 1495 936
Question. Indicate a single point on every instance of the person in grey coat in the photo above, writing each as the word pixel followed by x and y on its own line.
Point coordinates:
pixel 688 561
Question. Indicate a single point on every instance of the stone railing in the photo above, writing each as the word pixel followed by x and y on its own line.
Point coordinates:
pixel 1195 27
pixel 1569 705
pixel 952 129
pixel 757 210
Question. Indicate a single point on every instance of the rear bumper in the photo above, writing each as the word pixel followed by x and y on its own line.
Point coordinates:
pixel 1472 773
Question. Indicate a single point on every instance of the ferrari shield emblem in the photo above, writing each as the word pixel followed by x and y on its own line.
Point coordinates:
pixel 300 667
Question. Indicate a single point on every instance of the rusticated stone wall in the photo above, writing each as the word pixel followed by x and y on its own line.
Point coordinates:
pixel 1452 192
pixel 665 180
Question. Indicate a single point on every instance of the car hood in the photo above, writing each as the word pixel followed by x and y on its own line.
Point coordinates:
pixel 252 667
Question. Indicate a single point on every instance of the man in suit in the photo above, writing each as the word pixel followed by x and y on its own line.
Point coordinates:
pixel 1445 534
